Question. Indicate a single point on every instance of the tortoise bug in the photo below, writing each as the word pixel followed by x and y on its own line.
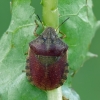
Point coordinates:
pixel 47 65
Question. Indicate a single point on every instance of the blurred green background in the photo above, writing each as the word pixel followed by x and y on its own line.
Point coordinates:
pixel 86 82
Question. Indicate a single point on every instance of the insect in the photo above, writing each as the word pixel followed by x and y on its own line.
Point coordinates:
pixel 46 64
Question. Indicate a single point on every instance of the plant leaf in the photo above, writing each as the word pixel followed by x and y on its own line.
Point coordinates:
pixel 14 45
pixel 69 93
pixel 79 29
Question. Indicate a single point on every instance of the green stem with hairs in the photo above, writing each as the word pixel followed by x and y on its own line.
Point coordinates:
pixel 51 18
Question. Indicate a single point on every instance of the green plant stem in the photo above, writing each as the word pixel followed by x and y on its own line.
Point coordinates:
pixel 55 94
pixel 51 18
pixel 50 13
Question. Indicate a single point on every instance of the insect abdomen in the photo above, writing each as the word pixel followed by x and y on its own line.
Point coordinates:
pixel 47 77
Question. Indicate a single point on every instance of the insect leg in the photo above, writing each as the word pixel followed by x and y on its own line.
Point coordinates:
pixel 63 35
pixel 23 70
pixel 40 21
pixel 36 29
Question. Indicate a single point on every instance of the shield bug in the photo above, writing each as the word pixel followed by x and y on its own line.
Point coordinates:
pixel 47 65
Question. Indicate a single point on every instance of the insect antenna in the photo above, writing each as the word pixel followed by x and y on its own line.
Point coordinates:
pixel 39 18
pixel 40 21
pixel 62 23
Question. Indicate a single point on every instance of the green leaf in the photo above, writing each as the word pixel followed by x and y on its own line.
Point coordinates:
pixel 14 45
pixel 79 29
pixel 69 93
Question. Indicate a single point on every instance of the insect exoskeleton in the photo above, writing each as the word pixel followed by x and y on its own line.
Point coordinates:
pixel 47 65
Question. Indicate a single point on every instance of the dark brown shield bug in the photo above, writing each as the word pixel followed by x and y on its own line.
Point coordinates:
pixel 47 65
